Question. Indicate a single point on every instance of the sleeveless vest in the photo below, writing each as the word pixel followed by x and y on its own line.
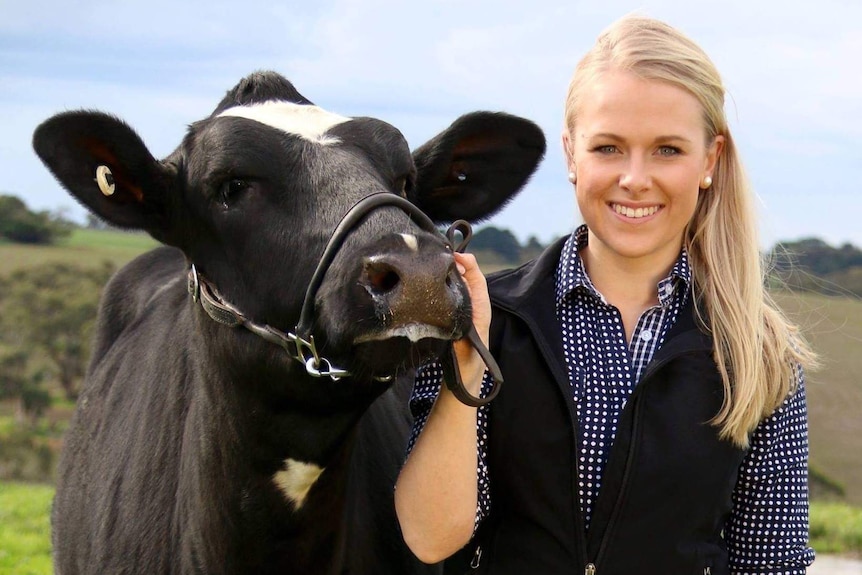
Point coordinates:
pixel 666 488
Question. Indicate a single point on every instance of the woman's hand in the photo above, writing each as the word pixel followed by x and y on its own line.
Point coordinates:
pixel 471 365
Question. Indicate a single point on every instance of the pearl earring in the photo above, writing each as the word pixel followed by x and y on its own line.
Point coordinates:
pixel 573 177
pixel 707 181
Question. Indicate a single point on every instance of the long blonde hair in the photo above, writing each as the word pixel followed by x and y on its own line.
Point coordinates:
pixel 757 350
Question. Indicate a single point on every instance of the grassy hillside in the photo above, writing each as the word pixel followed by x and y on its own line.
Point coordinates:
pixel 833 325
pixel 834 328
pixel 84 247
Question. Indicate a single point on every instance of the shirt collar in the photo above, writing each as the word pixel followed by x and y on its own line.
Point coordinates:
pixel 571 273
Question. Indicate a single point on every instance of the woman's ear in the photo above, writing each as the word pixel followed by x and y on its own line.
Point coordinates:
pixel 569 151
pixel 713 153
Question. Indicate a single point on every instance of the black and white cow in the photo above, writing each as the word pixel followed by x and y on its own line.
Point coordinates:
pixel 198 447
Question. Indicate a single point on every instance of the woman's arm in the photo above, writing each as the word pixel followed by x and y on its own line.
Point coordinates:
pixel 768 528
pixel 436 493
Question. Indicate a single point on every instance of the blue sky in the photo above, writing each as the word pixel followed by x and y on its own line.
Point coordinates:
pixel 793 71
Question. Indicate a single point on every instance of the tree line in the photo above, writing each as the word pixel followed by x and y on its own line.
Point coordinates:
pixel 808 264
pixel 811 264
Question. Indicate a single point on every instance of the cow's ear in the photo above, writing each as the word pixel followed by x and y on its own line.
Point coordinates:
pixel 105 165
pixel 474 167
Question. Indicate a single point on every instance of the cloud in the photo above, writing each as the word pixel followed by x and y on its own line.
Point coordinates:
pixel 790 69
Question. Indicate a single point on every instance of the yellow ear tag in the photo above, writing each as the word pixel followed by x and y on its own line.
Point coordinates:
pixel 105 179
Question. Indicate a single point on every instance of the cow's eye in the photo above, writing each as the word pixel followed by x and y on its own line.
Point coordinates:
pixel 232 188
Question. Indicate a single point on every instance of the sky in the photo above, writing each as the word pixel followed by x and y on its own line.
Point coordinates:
pixel 793 71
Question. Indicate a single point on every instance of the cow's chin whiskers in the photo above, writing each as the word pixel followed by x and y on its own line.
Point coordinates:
pixel 412 331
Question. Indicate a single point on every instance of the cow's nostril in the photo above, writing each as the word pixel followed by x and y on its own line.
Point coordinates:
pixel 381 277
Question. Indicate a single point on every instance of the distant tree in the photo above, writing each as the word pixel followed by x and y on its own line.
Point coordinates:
pixel 502 242
pixel 19 382
pixel 532 248
pixel 50 309
pixel 19 224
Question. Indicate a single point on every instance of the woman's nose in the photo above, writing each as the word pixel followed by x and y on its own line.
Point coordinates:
pixel 635 177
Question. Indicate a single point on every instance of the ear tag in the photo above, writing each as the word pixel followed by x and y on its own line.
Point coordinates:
pixel 105 179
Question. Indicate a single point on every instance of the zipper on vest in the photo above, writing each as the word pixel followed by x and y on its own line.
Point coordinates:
pixel 560 376
pixel 477 558
pixel 606 536
pixel 590 569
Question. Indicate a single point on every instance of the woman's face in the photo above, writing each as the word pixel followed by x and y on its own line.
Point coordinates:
pixel 640 154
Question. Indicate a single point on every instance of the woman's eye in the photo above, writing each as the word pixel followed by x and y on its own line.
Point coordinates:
pixel 605 149
pixel 668 151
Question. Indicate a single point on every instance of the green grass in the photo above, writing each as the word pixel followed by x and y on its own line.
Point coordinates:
pixel 25 547
pixel 836 529
pixel 83 247
pixel 25 541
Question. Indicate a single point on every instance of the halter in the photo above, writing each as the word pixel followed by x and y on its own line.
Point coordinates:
pixel 299 344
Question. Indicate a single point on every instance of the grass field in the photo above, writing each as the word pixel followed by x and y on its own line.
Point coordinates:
pixel 84 247
pixel 25 547
pixel 834 327
pixel 25 543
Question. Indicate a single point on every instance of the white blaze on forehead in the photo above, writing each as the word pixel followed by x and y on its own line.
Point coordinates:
pixel 296 479
pixel 303 120
pixel 411 241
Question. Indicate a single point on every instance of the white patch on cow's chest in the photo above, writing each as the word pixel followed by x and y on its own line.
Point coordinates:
pixel 411 242
pixel 296 479
pixel 306 121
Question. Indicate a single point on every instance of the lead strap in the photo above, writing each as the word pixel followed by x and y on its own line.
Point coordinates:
pixel 449 363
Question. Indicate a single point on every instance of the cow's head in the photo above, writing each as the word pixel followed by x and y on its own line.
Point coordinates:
pixel 254 191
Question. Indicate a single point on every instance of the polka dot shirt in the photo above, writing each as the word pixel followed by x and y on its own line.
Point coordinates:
pixel 768 529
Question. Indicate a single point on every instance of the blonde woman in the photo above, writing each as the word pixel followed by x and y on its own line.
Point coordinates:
pixel 653 418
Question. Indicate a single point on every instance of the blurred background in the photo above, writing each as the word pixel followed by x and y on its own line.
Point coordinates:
pixel 792 71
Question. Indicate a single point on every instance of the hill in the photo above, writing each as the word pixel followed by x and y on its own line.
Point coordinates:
pixel 833 325
pixel 84 247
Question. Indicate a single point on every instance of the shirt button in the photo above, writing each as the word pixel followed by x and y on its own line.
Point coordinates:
pixel 668 289
pixel 646 335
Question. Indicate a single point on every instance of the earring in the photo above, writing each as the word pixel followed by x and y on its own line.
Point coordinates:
pixel 707 181
pixel 573 177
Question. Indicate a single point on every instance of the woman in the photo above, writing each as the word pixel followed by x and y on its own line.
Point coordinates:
pixel 653 418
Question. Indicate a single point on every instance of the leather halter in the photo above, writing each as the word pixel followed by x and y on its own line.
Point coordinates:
pixel 300 344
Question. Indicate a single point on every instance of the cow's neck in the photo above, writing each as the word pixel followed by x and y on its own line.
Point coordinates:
pixel 272 446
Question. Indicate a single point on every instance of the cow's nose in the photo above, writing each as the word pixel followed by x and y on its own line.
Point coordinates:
pixel 383 274
pixel 410 289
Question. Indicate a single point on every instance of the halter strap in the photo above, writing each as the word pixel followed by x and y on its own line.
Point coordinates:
pixel 300 344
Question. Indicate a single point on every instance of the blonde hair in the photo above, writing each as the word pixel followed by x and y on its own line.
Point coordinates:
pixel 757 350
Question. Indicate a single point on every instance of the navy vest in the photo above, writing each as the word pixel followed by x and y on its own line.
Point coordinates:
pixel 666 489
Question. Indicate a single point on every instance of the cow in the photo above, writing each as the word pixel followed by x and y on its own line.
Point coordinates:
pixel 210 438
